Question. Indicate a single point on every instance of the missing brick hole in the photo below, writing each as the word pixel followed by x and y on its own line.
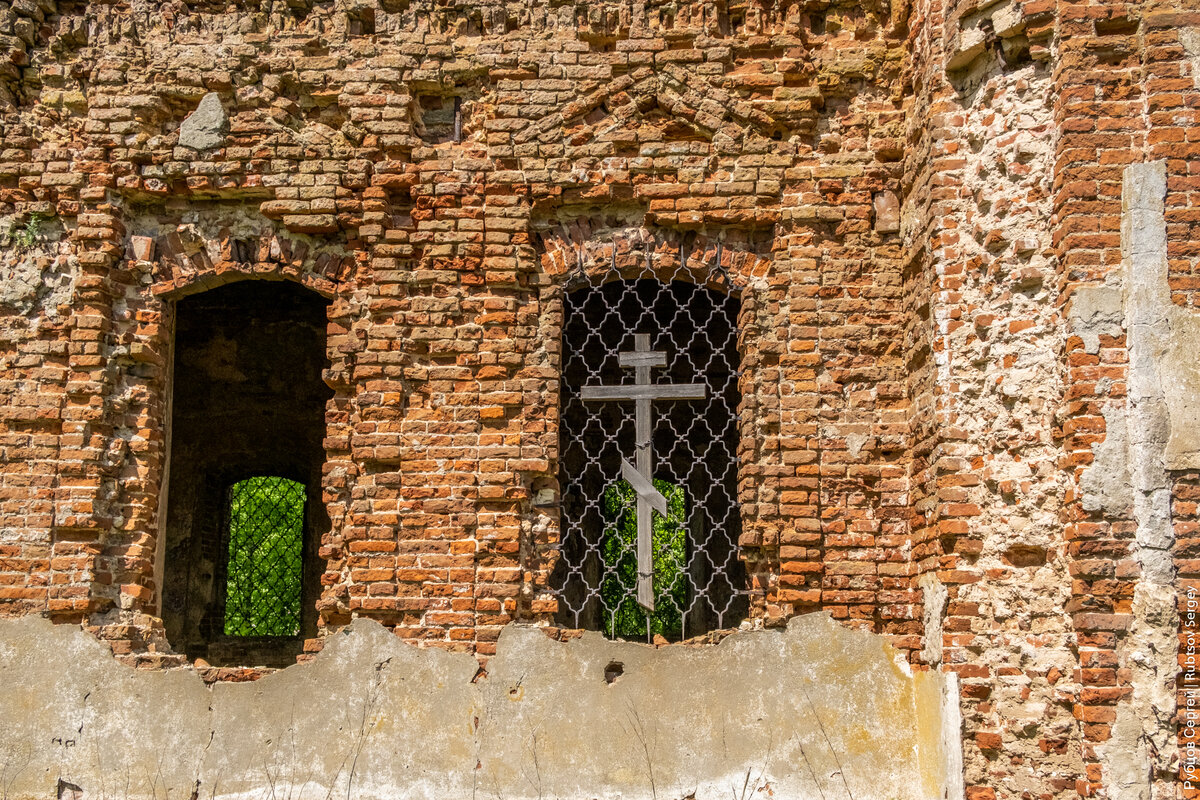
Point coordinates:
pixel 596 114
pixel 438 118
pixel 361 22
pixel 1024 555
pixel 243 251
pixel 1116 26
pixel 735 21
pixel 300 9
pixel 816 23
pixel 614 670
pixel 329 115
pixel 68 791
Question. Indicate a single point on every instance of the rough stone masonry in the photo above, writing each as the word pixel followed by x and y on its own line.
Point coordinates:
pixel 959 239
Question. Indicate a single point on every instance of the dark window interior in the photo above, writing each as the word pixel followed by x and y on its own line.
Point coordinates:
pixel 699 580
pixel 244 510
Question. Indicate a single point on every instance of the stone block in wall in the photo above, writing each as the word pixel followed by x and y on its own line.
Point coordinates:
pixel 205 128
pixel 887 212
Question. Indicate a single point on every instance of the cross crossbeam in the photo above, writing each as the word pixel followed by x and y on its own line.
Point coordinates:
pixel 641 475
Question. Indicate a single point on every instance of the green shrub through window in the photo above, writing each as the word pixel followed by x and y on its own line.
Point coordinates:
pixel 266 546
pixel 623 616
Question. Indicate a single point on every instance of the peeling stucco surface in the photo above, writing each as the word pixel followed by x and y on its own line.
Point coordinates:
pixel 1181 387
pixel 1105 484
pixel 1163 336
pixel 1096 311
pixel 1190 39
pixel 816 710
pixel 37 276
pixel 1157 423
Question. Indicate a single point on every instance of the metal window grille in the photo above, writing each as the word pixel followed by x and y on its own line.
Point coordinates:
pixel 698 581
pixel 266 545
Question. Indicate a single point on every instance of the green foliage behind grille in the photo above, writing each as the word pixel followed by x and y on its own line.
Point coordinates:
pixel 623 617
pixel 266 545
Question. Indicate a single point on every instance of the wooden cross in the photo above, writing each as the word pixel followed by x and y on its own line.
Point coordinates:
pixel 641 477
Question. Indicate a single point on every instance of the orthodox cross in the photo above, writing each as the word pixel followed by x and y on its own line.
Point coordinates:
pixel 641 476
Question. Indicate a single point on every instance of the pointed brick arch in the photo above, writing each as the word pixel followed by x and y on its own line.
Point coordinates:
pixel 707 105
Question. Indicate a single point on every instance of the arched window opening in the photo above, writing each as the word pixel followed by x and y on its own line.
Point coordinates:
pixel 648 461
pixel 244 515
pixel 264 571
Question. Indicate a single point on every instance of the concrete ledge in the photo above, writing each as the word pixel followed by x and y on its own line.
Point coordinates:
pixel 815 711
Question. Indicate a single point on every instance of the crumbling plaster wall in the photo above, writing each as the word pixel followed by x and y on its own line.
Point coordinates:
pixel 586 718
pixel 37 272
pixel 999 385
pixel 982 171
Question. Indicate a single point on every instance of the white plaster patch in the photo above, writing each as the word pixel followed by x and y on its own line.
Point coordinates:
pixel 1190 39
pixel 935 597
pixel 1105 484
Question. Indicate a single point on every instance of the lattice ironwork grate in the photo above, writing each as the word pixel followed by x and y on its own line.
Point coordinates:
pixel 665 352
pixel 266 546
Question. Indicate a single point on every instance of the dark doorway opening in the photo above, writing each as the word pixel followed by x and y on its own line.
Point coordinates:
pixel 245 516
pixel 699 580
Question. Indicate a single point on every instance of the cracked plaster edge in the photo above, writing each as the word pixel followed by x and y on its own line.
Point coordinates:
pixel 363 631
pixel 935 695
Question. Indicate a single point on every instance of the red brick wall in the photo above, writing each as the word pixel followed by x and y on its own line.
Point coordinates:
pixel 915 414
pixel 442 335
pixel 1124 92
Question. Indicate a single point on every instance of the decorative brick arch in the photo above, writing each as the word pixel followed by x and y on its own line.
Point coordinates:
pixel 707 106
pixel 185 265
pixel 571 251
pixel 602 247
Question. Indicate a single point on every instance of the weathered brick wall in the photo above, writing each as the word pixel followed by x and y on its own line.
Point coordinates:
pixel 908 199
pixel 985 473
pixel 760 138
pixel 1123 90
